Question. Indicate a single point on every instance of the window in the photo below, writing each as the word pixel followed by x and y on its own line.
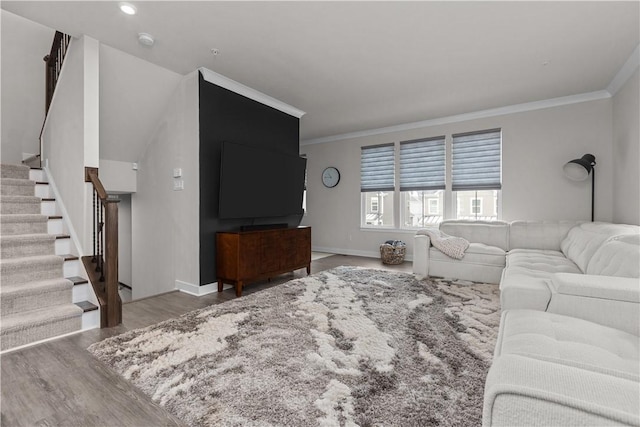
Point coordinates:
pixel 476 172
pixel 374 204
pixel 377 185
pixel 476 206
pixel 475 168
pixel 434 206
pixel 422 181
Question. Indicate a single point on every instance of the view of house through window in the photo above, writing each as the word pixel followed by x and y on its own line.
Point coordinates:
pixel 478 205
pixel 422 208
pixel 379 210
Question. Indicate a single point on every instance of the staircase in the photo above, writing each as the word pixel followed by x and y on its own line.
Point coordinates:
pixel 42 294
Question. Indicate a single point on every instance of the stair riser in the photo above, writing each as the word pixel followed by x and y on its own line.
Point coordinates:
pixel 13 228
pixel 55 226
pixel 42 191
pixel 37 175
pixel 17 337
pixel 71 268
pixel 17 190
pixel 29 301
pixel 81 292
pixel 48 208
pixel 20 208
pixel 63 246
pixel 21 249
pixel 31 274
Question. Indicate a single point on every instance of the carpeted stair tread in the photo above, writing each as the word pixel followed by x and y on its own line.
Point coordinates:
pixel 27 245
pixel 17 187
pixel 16 298
pixel 39 316
pixel 12 224
pixel 34 260
pixel 20 205
pixel 29 269
pixel 14 171
pixel 13 218
pixel 35 325
pixel 9 289
pixel 28 238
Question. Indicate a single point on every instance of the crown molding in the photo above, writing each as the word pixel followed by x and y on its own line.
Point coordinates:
pixel 246 91
pixel 510 109
pixel 625 72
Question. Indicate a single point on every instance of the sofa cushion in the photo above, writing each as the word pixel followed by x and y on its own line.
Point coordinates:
pixel 618 256
pixel 569 341
pixel 476 253
pixel 539 234
pixel 524 283
pixel 491 233
pixel 583 240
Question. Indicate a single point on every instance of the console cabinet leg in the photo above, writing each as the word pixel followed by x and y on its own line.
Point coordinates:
pixel 219 285
pixel 308 269
pixel 238 289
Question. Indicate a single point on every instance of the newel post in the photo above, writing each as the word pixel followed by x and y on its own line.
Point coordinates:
pixel 114 307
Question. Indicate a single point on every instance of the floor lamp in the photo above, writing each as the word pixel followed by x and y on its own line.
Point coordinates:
pixel 579 170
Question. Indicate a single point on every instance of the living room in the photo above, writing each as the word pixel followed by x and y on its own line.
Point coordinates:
pixel 564 87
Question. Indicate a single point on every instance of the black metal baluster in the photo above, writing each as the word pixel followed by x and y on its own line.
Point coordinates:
pixel 94 225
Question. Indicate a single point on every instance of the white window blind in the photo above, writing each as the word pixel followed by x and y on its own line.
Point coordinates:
pixel 422 164
pixel 476 160
pixel 377 171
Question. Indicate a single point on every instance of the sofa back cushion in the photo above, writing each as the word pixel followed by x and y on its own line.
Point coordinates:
pixel 543 235
pixel 491 233
pixel 618 256
pixel 585 239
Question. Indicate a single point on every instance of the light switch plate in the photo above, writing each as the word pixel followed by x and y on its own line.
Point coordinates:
pixel 177 172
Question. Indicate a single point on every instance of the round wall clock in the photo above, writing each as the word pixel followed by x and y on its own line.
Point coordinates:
pixel 330 177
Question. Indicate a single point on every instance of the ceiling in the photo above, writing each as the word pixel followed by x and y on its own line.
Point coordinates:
pixel 355 66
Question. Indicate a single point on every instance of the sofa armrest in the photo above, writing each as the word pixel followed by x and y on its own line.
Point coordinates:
pixel 606 300
pixel 520 390
pixel 421 245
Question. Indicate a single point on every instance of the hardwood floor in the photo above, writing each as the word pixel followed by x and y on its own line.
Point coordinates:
pixel 61 383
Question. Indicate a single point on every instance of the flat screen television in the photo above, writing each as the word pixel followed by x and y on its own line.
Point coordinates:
pixel 259 183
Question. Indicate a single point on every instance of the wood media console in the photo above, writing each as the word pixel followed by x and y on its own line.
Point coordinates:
pixel 247 256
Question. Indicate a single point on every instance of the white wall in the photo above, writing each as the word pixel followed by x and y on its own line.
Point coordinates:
pixel 536 144
pixel 70 136
pixel 118 177
pixel 165 242
pixel 124 240
pixel 626 152
pixel 133 95
pixel 23 43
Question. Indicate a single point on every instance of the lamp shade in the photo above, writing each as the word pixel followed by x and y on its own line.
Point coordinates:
pixel 579 169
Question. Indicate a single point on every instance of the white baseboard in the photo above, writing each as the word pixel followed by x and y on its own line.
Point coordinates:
pixel 354 252
pixel 198 291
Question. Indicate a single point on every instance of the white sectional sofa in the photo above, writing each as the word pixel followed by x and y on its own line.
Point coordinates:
pixel 568 350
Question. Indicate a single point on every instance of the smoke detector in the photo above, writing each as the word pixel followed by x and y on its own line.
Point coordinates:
pixel 146 39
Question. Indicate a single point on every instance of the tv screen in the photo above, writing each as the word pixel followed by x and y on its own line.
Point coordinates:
pixel 259 183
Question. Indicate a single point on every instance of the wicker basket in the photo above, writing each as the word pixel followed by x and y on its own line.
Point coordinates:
pixel 392 254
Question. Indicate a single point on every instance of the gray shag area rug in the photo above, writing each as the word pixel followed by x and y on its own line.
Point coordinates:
pixel 345 347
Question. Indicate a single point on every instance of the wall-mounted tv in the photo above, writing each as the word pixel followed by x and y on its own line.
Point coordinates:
pixel 259 183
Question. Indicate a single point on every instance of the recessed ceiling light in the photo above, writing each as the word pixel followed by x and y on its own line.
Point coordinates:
pixel 146 39
pixel 128 8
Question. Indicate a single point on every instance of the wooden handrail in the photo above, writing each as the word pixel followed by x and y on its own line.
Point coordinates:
pixel 53 67
pixel 105 242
